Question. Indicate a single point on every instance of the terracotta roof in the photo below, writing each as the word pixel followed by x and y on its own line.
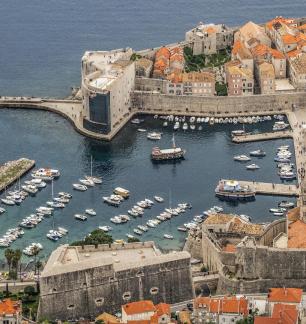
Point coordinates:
pixel 163 51
pixel 199 77
pixel 230 248
pixel 210 30
pixel 277 54
pixel 285 295
pixel 293 214
pixel 175 77
pixel 176 50
pixel 107 318
pixel 296 235
pixel 177 57
pixel 241 50
pixel 246 228
pixel 8 306
pixel 287 314
pixel 265 320
pixel 289 39
pixel 303 27
pixel 218 219
pixel 293 53
pixel 162 309
pixel 232 63
pixel 142 306
pixel 231 305
pixel 244 72
pixel 286 21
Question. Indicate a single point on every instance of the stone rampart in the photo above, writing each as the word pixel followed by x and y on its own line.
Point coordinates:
pixel 156 103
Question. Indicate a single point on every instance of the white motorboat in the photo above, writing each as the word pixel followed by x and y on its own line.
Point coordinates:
pixel 165 123
pixel 258 153
pixel 182 229
pixel 286 204
pixel 154 136
pixel 55 204
pixel 87 182
pixel 245 218
pixel 90 212
pixel 252 167
pixel 141 130
pixel 8 202
pixel 111 202
pixel 136 121
pixel 130 236
pixel 105 228
pixel 61 200
pixel 176 126
pixel 2 210
pixel 79 187
pixel 65 194
pixel 283 147
pixel 277 210
pixel 159 199
pixel 137 231
pixel 192 127
pixel 133 213
pixel 121 192
pixel 80 217
pixel 185 126
pixel 242 158
pixel 44 210
pixel 280 125
pixel 95 180
pixel 62 230
pixel 168 236
pixel 30 189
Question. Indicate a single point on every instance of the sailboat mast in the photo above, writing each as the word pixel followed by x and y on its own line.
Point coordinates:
pixel 173 141
pixel 91 165
pixel 52 188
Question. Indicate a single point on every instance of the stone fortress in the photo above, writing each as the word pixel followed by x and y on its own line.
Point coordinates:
pixel 250 257
pixel 82 282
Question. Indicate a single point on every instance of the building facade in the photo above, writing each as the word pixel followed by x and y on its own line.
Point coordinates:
pixel 86 281
pixel 240 81
pixel 10 312
pixel 297 71
pixel 108 78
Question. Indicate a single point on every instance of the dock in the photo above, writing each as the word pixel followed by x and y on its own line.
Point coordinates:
pixel 11 171
pixel 272 189
pixel 262 136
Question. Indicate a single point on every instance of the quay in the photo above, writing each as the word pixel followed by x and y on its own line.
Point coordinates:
pixel 262 136
pixel 13 170
pixel 273 189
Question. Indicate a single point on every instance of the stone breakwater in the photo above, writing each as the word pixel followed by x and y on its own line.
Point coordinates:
pixel 13 170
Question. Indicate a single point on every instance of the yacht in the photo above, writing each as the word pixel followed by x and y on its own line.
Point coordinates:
pixel 80 217
pixel 258 153
pixel 143 228
pixel 154 136
pixel 116 220
pixel 283 147
pixel 79 187
pixel 87 182
pixel 30 189
pixel 168 236
pixel 61 200
pixel 8 202
pixel 32 249
pixel 277 210
pixel 287 175
pixel 252 167
pixel 46 173
pixel 232 190
pixel 44 210
pixel 95 180
pixel 62 230
pixel 182 229
pixel 242 158
pixel 90 212
pixel 133 212
pixel 281 159
pixel 111 202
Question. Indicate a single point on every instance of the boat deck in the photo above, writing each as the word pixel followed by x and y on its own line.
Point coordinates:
pixel 262 136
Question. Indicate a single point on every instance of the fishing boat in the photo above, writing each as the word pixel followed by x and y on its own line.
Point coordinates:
pixel 252 167
pixel 122 192
pixel 258 153
pixel 242 158
pixel 167 154
pixel 90 212
pixel 168 236
pixel 232 190
pixel 80 217
pixel 79 187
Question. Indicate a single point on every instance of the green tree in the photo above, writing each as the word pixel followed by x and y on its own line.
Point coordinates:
pixel 133 239
pixel 16 259
pixel 95 237
pixel 38 266
pixel 29 290
pixel 9 255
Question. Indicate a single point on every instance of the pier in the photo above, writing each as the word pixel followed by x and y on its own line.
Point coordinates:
pixel 272 189
pixel 262 136
pixel 13 170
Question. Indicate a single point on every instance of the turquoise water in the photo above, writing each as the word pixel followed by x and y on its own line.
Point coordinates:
pixel 51 141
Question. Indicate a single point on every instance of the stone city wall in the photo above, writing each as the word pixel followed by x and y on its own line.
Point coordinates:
pixel 271 231
pixel 156 103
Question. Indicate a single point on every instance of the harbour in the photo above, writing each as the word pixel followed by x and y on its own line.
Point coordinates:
pixel 262 136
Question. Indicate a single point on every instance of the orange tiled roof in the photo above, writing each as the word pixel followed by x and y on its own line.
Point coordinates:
pixel 289 39
pixel 210 30
pixel 163 308
pixel 286 21
pixel 142 306
pixel 286 295
pixel 177 57
pixel 293 53
pixel 296 235
pixel 287 314
pixel 293 214
pixel 160 65
pixel 231 248
pixel 265 320
pixel 176 50
pixel 303 27
pixel 163 51
pixel 175 77
pixel 277 54
pixel 223 305
pixel 8 306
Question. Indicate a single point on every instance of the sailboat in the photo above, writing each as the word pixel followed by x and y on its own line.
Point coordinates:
pixel 96 180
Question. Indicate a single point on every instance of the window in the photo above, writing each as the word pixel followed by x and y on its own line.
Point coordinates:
pixel 99 301
pixel 126 296
pixel 154 291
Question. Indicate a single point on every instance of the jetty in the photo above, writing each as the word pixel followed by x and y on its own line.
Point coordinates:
pixel 13 170
pixel 272 189
pixel 262 136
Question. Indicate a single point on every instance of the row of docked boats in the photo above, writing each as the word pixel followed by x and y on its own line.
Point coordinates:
pixel 11 235
pixel 166 215
pixel 282 208
pixel 285 167
pixel 118 196
pixel 86 182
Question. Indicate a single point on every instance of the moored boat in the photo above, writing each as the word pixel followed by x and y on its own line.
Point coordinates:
pixel 232 190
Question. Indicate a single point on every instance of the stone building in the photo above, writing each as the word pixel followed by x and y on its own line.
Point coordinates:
pixel 10 311
pixel 199 83
pixel 143 67
pixel 297 71
pixel 239 80
pixel 243 54
pixel 108 78
pixel 209 38
pixel 86 281
pixel 265 77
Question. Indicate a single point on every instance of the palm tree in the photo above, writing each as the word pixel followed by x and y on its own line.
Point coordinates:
pixel 9 255
pixel 16 258
pixel 38 266
pixel 35 251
